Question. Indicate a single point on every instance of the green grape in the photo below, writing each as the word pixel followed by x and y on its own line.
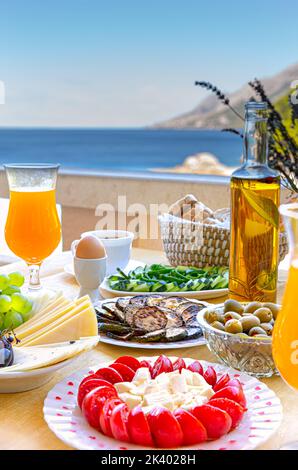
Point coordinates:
pixel 20 303
pixel 12 320
pixel 4 281
pixel 11 290
pixel 1 321
pixel 16 279
pixel 5 303
pixel 27 315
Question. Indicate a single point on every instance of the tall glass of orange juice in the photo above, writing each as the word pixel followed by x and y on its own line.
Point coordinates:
pixel 33 229
pixel 285 334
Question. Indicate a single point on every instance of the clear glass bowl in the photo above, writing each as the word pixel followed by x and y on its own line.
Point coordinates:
pixel 249 355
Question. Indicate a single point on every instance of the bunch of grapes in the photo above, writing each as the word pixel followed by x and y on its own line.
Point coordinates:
pixel 15 308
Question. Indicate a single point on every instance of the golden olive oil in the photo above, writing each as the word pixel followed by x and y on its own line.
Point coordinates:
pixel 255 193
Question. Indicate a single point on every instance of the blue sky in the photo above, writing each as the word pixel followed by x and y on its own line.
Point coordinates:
pixel 131 63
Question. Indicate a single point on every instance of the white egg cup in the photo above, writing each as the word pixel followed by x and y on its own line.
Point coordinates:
pixel 89 274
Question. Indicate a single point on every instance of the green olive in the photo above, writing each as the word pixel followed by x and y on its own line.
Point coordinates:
pixel 211 316
pixel 229 315
pixel 233 326
pixel 233 306
pixel 249 321
pixel 256 330
pixel 252 306
pixel 264 314
pixel 273 307
pixel 267 327
pixel 218 325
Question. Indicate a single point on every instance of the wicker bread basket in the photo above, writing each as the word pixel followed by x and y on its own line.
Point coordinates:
pixel 189 243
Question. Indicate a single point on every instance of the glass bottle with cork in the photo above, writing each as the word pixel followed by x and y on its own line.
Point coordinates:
pixel 255 194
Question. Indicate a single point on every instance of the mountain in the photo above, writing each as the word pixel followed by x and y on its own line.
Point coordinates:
pixel 211 113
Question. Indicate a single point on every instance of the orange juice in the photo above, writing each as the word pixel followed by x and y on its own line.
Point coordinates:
pixel 33 228
pixel 285 334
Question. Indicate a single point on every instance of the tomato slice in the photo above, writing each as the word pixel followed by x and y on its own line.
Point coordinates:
pixel 126 372
pixel 118 422
pixel 109 374
pixel 105 415
pixel 217 422
pixel 210 376
pixel 196 366
pixel 179 364
pixel 233 409
pixel 234 383
pixel 93 403
pixel 162 364
pixel 232 393
pixel 165 428
pixel 129 361
pixel 192 429
pixel 145 363
pixel 222 382
pixel 88 384
pixel 138 427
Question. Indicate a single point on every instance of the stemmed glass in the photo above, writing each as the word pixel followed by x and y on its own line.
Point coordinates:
pixel 285 333
pixel 33 229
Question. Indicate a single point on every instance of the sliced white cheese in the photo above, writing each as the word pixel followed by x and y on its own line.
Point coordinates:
pixel 123 387
pixel 177 383
pixel 142 375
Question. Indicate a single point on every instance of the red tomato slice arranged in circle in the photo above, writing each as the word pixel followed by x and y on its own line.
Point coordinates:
pixel 105 415
pixel 138 427
pixel 126 372
pixel 145 363
pixel 162 364
pixel 129 361
pixel 217 422
pixel 193 430
pixel 164 428
pixel 93 403
pixel 108 374
pixel 221 383
pixel 88 384
pixel 232 393
pixel 233 409
pixel 179 364
pixel 196 366
pixel 210 376
pixel 118 422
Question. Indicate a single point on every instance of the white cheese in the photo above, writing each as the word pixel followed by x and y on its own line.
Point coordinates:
pixel 122 387
pixel 142 375
pixel 130 400
pixel 178 383
pixel 188 375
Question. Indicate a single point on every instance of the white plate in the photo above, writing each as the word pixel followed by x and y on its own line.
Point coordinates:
pixel 133 264
pixel 259 423
pixel 108 293
pixel 191 343
pixel 11 382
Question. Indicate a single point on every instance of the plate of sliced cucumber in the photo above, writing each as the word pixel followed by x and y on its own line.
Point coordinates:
pixel 190 282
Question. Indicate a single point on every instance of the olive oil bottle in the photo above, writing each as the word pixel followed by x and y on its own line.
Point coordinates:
pixel 255 193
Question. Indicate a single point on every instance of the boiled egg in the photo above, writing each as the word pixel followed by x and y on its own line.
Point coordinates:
pixel 90 247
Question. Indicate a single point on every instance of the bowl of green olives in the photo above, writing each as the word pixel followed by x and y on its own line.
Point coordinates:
pixel 240 335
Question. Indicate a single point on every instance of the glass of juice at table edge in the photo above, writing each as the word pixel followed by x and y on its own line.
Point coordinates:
pixel 285 333
pixel 33 229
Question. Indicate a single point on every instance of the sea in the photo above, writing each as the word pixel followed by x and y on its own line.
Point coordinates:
pixel 116 149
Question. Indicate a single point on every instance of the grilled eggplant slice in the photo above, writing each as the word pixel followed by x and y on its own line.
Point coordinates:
pixel 193 333
pixel 176 334
pixel 108 306
pixel 174 320
pixel 119 315
pixel 125 337
pixel 138 301
pixel 149 319
pixel 121 303
pixel 114 328
pixel 152 337
pixel 103 313
pixel 171 302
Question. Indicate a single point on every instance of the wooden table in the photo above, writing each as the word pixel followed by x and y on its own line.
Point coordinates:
pixel 21 418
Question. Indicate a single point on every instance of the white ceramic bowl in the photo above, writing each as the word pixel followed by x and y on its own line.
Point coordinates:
pixel 117 249
pixel 12 382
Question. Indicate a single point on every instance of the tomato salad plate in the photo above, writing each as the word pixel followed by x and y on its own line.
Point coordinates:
pixel 162 402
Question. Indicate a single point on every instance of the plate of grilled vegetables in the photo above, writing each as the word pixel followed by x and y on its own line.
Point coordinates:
pixel 152 321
